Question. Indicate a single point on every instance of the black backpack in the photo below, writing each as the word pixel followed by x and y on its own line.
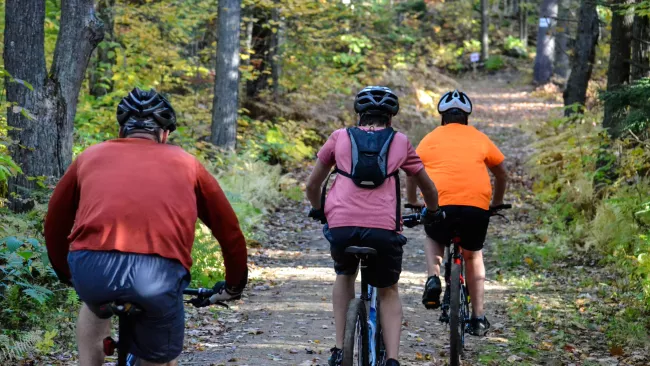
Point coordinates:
pixel 370 162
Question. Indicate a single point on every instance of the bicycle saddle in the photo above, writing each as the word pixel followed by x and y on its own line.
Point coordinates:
pixel 361 252
pixel 118 308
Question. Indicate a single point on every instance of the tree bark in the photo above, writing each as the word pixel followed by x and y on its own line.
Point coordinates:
pixel 226 86
pixel 562 65
pixel 484 30
pixel 523 22
pixel 44 141
pixel 640 48
pixel 101 73
pixel 275 51
pixel 584 55
pixel 618 72
pixel 544 60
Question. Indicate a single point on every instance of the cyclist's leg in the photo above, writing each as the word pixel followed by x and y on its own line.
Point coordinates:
pixel 346 268
pixel 94 289
pixel 342 293
pixel 475 271
pixel 474 230
pixel 91 330
pixel 390 316
pixel 383 273
pixel 434 252
pixel 158 285
pixel 438 236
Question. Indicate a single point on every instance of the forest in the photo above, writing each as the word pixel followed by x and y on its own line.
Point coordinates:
pixel 259 85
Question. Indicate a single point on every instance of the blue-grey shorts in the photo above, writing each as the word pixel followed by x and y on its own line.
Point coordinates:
pixel 154 283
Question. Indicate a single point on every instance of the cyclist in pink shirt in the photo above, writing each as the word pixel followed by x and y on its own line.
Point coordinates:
pixel 363 208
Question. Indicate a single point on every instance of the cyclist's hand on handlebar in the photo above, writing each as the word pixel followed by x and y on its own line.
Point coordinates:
pixel 415 205
pixel 318 215
pixel 430 217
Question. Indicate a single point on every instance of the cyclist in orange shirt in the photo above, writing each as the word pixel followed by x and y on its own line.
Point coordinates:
pixel 457 158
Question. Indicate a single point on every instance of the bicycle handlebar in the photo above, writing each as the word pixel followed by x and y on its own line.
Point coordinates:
pixel 200 297
pixel 415 219
pixel 199 292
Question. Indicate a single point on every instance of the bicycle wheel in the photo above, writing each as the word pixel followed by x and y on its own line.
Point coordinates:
pixel 456 323
pixel 356 335
pixel 380 347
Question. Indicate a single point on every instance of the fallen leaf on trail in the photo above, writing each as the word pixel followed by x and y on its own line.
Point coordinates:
pixel 418 356
pixel 514 358
pixel 616 351
pixel 569 348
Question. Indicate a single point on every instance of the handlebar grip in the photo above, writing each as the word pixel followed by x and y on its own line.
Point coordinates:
pixel 203 292
pixel 414 207
pixel 505 206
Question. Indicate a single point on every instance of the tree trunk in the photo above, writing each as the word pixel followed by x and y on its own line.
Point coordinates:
pixel 275 51
pixel 641 48
pixel 484 30
pixel 620 53
pixel 544 60
pixel 523 22
pixel 261 59
pixel 44 141
pixel 226 85
pixel 584 54
pixel 562 65
pixel 101 73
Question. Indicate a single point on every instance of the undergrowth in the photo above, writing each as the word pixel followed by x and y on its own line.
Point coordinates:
pixel 596 197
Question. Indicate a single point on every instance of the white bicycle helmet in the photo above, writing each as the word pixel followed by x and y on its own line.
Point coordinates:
pixel 455 99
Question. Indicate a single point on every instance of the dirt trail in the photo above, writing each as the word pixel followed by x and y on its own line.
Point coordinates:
pixel 286 318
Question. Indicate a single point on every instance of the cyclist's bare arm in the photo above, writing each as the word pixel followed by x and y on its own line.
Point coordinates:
pixel 59 221
pixel 216 212
pixel 315 182
pixel 500 184
pixel 428 189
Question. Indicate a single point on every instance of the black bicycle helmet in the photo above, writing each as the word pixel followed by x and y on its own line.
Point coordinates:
pixel 376 100
pixel 145 110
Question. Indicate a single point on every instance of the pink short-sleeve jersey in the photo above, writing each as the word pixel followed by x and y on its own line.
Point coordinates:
pixel 349 205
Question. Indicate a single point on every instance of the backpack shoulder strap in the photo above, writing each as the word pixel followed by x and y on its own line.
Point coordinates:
pixel 323 192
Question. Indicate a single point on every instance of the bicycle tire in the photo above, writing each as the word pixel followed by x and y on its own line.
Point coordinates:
pixel 456 324
pixel 356 334
pixel 380 351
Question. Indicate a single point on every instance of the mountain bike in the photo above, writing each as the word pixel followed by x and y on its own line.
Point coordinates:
pixel 363 332
pixel 127 312
pixel 455 308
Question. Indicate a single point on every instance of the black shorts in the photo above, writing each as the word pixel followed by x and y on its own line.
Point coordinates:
pixel 385 270
pixel 154 283
pixel 467 222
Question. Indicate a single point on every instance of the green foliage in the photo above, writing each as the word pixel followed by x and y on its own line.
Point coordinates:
pixel 610 219
pixel 515 47
pixel 631 105
pixel 494 63
pixel 15 348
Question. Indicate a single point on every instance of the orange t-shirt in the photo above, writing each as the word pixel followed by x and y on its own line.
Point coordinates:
pixel 456 158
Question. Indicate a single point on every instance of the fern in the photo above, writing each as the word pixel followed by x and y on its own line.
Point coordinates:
pixel 13 349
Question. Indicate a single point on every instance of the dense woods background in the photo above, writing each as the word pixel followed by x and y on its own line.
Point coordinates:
pixel 259 84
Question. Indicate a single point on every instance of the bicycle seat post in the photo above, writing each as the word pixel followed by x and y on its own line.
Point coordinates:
pixel 363 253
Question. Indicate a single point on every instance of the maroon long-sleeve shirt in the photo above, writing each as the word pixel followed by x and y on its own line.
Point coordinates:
pixel 138 196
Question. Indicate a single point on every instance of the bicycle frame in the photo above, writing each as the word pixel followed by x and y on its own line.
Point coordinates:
pixel 369 297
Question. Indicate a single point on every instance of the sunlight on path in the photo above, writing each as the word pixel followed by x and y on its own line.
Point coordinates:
pixel 286 318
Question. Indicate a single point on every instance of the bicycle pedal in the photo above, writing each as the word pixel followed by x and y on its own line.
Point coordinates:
pixel 109 346
pixel 431 305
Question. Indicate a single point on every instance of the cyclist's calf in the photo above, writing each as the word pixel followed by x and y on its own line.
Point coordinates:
pixel 91 331
pixel 390 318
